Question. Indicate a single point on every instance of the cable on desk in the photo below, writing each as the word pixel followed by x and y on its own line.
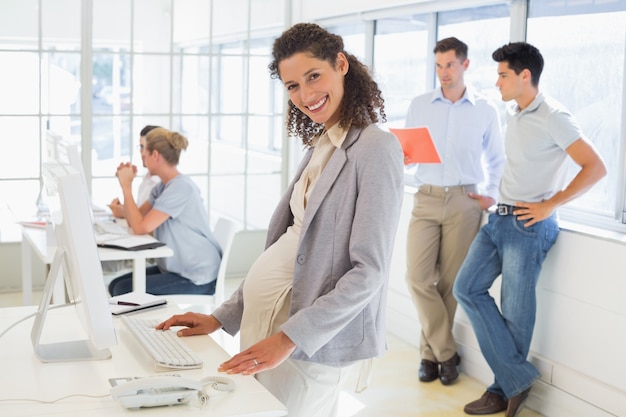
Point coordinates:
pixel 52 401
pixel 53 307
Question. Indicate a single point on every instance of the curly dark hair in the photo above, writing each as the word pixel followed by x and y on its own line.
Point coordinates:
pixel 362 101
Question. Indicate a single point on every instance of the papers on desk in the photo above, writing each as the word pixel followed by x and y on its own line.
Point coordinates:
pixel 99 210
pixel 108 225
pixel 127 242
pixel 113 234
pixel 133 301
pixel 417 145
pixel 34 223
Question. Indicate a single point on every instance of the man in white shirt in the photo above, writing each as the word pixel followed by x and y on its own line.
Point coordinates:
pixel 465 127
pixel 117 208
pixel 147 184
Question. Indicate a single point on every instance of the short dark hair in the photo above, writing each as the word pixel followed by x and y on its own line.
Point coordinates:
pixel 520 56
pixel 147 129
pixel 452 44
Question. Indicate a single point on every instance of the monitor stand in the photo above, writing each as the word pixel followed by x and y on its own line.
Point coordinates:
pixel 42 208
pixel 74 350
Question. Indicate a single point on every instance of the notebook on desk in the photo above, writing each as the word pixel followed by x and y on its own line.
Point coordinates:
pixel 110 226
pixel 133 301
pixel 127 242
pixel 111 234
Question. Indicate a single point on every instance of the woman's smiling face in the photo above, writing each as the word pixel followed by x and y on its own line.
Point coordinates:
pixel 314 86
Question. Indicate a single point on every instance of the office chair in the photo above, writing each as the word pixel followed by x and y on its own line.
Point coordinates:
pixel 225 234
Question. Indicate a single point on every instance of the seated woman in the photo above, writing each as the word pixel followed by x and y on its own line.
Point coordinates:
pixel 176 216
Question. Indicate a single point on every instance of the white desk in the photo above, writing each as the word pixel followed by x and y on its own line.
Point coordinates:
pixel 25 377
pixel 34 240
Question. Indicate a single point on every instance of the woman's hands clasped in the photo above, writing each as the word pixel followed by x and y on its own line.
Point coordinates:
pixel 125 173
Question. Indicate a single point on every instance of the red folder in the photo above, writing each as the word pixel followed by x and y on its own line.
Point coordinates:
pixel 417 145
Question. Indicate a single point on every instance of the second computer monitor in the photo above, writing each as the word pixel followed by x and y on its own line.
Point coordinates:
pixel 77 262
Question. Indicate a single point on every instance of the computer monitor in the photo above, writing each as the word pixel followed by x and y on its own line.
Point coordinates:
pixel 52 144
pixel 59 149
pixel 52 139
pixel 69 153
pixel 77 259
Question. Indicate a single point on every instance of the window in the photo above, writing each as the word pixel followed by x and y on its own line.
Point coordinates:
pixel 402 76
pixel 483 29
pixel 580 39
pixel 181 64
pixel 40 89
pixel 188 65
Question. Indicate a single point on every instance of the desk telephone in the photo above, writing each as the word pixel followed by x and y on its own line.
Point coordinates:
pixel 155 391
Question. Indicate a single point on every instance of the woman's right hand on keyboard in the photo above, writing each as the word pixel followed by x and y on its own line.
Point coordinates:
pixel 195 324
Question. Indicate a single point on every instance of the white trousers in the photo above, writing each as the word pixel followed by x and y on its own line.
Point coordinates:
pixel 307 389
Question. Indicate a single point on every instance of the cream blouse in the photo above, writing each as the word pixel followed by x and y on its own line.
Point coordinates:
pixel 267 287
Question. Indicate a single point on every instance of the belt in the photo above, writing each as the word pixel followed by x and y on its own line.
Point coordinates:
pixel 506 209
pixel 426 188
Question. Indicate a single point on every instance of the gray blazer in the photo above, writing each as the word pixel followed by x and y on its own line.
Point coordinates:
pixel 340 282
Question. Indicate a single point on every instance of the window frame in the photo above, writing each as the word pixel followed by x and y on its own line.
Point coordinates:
pixel 583 221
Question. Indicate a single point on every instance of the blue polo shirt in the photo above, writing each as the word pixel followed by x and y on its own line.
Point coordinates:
pixel 197 254
pixel 535 144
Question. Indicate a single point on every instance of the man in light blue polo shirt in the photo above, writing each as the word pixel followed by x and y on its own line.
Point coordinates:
pixel 541 135
pixel 448 206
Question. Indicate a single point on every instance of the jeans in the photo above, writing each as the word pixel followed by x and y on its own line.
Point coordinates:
pixel 160 283
pixel 504 246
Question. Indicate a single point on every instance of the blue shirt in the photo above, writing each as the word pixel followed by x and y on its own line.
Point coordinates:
pixel 197 254
pixel 467 136
pixel 536 142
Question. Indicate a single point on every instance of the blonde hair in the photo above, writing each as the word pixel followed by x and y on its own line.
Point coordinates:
pixel 169 144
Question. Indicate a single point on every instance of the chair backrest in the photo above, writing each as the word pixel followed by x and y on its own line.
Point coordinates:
pixel 224 232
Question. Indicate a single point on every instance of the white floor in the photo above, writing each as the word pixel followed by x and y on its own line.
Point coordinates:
pixel 394 390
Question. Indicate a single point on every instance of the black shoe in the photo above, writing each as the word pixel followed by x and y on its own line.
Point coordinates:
pixel 489 403
pixel 429 370
pixel 515 403
pixel 449 372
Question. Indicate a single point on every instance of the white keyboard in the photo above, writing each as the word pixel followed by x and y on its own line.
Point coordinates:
pixel 165 347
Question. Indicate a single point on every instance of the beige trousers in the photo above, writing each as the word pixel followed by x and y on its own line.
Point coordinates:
pixel 443 224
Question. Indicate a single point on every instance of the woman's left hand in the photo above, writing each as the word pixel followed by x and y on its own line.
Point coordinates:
pixel 266 354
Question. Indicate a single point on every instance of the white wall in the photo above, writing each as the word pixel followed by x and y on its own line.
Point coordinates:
pixel 11 269
pixel 330 8
pixel 580 335
pixel 308 10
